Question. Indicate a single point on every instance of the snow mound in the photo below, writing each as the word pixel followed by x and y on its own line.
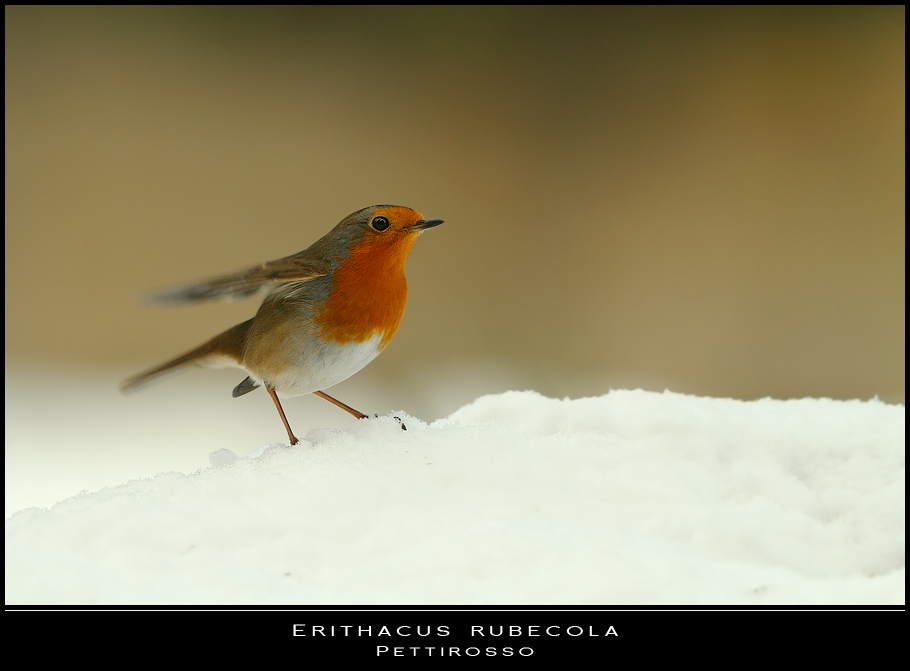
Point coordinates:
pixel 633 497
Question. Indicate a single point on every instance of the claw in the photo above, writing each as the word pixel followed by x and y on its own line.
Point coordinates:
pixel 403 427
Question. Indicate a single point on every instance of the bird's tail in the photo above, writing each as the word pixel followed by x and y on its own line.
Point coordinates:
pixel 223 349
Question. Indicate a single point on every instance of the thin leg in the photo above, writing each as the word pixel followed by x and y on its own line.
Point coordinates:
pixel 284 419
pixel 335 401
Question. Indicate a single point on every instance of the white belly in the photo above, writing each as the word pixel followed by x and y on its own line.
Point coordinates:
pixel 321 369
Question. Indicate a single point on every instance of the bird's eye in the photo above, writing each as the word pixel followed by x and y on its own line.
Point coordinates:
pixel 380 223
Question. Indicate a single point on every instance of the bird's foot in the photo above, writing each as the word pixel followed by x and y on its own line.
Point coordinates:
pixel 403 427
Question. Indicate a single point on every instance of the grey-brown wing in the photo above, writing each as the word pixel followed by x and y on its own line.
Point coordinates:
pixel 247 282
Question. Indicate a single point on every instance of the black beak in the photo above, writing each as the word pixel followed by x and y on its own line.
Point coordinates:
pixel 424 224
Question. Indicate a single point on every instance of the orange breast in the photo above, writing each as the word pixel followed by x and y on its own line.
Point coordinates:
pixel 368 291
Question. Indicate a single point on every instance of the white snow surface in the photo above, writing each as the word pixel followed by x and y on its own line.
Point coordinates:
pixel 633 497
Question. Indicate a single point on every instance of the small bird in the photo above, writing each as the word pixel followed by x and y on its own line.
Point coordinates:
pixel 329 310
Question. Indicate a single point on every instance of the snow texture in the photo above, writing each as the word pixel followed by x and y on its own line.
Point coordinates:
pixel 633 497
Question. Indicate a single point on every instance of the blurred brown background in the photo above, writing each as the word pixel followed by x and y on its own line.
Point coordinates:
pixel 708 200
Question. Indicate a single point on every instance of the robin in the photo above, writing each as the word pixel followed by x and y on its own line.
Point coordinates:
pixel 328 311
